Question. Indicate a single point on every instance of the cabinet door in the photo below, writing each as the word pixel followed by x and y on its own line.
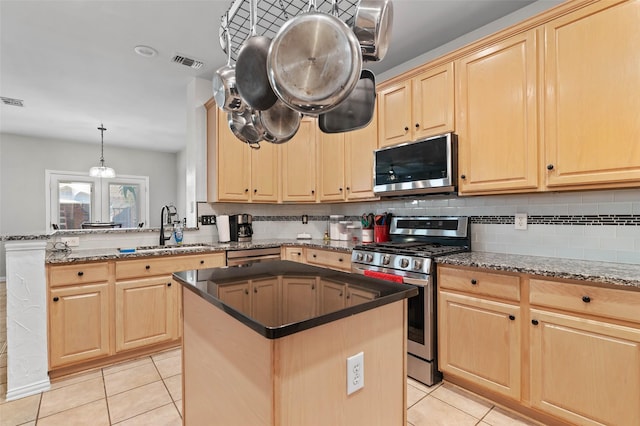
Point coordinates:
pixel 265 172
pixel 146 312
pixel 233 164
pixel 394 108
pixel 299 164
pixel 358 160
pixel 298 299
pixel 356 296
pixel 592 80
pixel 332 296
pixel 294 254
pixel 236 296
pixel 432 102
pixel 479 340
pixel 585 371
pixel 265 301
pixel 331 165
pixel 78 323
pixel 497 117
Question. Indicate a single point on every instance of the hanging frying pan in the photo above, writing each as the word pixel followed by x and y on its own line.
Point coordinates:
pixel 242 127
pixel 251 68
pixel 278 124
pixel 356 111
pixel 314 61
pixel 372 26
pixel 225 90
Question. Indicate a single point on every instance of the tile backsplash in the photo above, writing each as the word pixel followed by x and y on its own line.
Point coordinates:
pixel 592 225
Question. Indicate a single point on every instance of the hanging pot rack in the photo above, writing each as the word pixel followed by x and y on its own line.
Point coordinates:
pixel 271 15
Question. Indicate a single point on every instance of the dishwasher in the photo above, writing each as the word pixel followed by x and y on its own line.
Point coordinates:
pixel 249 256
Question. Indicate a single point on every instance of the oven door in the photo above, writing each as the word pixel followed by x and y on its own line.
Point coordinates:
pixel 420 309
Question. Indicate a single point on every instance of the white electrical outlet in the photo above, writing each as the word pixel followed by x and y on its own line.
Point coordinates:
pixel 521 221
pixel 355 373
pixel 71 241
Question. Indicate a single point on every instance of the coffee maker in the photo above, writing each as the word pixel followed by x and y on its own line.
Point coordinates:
pixel 240 227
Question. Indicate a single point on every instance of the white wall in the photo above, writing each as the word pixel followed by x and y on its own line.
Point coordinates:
pixel 23 161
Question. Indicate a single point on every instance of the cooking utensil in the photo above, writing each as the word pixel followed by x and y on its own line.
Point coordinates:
pixel 251 68
pixel 314 61
pixel 225 90
pixel 356 111
pixel 278 124
pixel 242 127
pixel 372 26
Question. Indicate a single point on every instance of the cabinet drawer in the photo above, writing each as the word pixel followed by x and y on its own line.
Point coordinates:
pixel 168 265
pixel 585 299
pixel 78 274
pixel 330 259
pixel 479 282
pixel 295 254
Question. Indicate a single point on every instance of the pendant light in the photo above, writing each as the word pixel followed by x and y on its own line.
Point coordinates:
pixel 102 171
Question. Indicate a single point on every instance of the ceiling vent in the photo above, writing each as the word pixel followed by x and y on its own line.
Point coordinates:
pixel 189 62
pixel 12 101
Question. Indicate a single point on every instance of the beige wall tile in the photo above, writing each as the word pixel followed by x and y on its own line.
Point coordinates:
pixel 94 414
pixel 174 384
pixel 130 378
pixel 136 401
pixel 167 415
pixel 464 400
pixel 19 411
pixel 71 396
pixel 169 366
pixel 431 411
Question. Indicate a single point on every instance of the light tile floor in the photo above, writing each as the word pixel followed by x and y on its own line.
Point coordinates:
pixel 148 391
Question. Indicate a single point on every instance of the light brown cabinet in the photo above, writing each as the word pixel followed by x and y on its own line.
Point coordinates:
pixel 497 122
pixel 329 259
pixel 345 164
pixel 418 107
pixel 332 296
pixel 298 160
pixel 79 323
pixel 480 338
pixel 237 296
pixel 299 298
pixel 243 173
pixel 591 84
pixel 294 254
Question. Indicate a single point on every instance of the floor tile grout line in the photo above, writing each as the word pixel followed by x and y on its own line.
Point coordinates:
pixel 144 412
pixel 458 408
pixel 165 384
pixel 106 397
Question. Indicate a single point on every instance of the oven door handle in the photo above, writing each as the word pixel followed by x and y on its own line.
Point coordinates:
pixel 420 282
pixel 417 282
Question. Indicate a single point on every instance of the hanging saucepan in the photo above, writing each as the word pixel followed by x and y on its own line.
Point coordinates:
pixel 251 68
pixel 372 26
pixel 278 124
pixel 242 127
pixel 225 90
pixel 314 62
pixel 356 111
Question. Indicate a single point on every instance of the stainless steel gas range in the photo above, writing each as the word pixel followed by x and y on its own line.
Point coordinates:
pixel 408 258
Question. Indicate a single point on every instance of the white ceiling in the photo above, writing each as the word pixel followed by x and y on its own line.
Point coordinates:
pixel 73 63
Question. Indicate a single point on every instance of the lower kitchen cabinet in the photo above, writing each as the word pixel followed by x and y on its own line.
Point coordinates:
pixel 146 312
pixel 299 300
pixel 294 254
pixel 479 340
pixel 332 296
pixel 356 296
pixel 265 300
pixel 236 295
pixel 79 322
pixel 329 259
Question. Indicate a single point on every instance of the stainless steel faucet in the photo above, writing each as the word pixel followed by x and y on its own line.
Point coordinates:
pixel 170 213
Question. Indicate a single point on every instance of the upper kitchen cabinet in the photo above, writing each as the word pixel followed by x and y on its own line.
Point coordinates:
pixel 345 163
pixel 298 159
pixel 418 107
pixel 591 105
pixel 237 171
pixel 497 122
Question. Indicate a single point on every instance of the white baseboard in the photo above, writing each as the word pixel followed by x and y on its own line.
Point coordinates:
pixel 32 389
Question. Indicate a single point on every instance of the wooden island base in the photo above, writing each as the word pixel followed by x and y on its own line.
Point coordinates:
pixel 234 376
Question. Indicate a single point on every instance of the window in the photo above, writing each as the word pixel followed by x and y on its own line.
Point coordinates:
pixel 74 199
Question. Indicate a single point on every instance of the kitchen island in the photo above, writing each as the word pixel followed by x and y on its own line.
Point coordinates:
pixel 268 344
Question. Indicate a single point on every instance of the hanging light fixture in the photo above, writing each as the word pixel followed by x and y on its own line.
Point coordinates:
pixel 102 171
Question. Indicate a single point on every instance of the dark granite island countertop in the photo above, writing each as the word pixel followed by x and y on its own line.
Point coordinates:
pixel 207 283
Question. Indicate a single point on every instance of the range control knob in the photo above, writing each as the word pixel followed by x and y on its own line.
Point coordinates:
pixel 417 264
pixel 386 259
pixel 404 263
pixel 359 256
pixel 368 258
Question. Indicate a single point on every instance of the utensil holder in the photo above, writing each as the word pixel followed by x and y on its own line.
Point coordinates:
pixel 380 233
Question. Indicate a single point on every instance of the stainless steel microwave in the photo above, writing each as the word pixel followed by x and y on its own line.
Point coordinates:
pixel 424 167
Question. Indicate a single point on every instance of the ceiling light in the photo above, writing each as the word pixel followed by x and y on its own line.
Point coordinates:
pixel 145 51
pixel 102 171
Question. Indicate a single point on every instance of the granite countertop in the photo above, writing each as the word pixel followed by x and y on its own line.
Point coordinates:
pixel 605 273
pixel 92 255
pixel 206 282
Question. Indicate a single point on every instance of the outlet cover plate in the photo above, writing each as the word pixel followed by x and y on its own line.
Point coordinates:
pixel 355 373
pixel 521 221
